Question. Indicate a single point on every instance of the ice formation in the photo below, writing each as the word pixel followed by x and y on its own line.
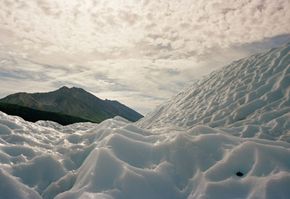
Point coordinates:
pixel 227 136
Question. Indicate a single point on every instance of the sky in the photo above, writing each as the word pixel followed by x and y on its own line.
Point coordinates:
pixel 139 52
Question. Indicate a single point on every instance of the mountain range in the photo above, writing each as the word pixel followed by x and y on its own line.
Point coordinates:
pixel 65 106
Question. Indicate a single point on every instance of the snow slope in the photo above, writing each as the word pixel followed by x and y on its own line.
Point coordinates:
pixel 248 98
pixel 221 139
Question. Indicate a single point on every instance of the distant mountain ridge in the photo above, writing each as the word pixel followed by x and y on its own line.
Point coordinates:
pixel 74 102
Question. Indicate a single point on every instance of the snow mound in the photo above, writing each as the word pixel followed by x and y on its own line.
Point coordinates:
pixel 118 160
pixel 226 137
pixel 250 98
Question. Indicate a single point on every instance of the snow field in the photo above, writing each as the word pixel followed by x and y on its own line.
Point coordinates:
pixel 116 159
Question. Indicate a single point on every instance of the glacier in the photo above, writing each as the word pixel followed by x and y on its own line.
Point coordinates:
pixel 226 136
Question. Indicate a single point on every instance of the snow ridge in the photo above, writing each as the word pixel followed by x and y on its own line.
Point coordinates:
pixel 250 98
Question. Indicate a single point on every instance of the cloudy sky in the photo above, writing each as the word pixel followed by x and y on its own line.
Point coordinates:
pixel 139 52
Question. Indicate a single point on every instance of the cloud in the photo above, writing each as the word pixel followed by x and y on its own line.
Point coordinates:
pixel 132 50
pixel 168 28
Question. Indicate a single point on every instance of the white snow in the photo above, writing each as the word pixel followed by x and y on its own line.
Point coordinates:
pixel 235 121
pixel 248 98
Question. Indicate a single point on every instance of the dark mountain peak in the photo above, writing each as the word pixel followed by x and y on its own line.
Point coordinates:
pixel 73 101
pixel 71 89
pixel 64 88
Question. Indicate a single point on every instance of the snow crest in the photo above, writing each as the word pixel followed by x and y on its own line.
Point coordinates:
pixel 248 98
pixel 225 137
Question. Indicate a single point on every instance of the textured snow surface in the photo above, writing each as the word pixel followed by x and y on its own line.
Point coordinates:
pixel 226 137
pixel 116 159
pixel 248 98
